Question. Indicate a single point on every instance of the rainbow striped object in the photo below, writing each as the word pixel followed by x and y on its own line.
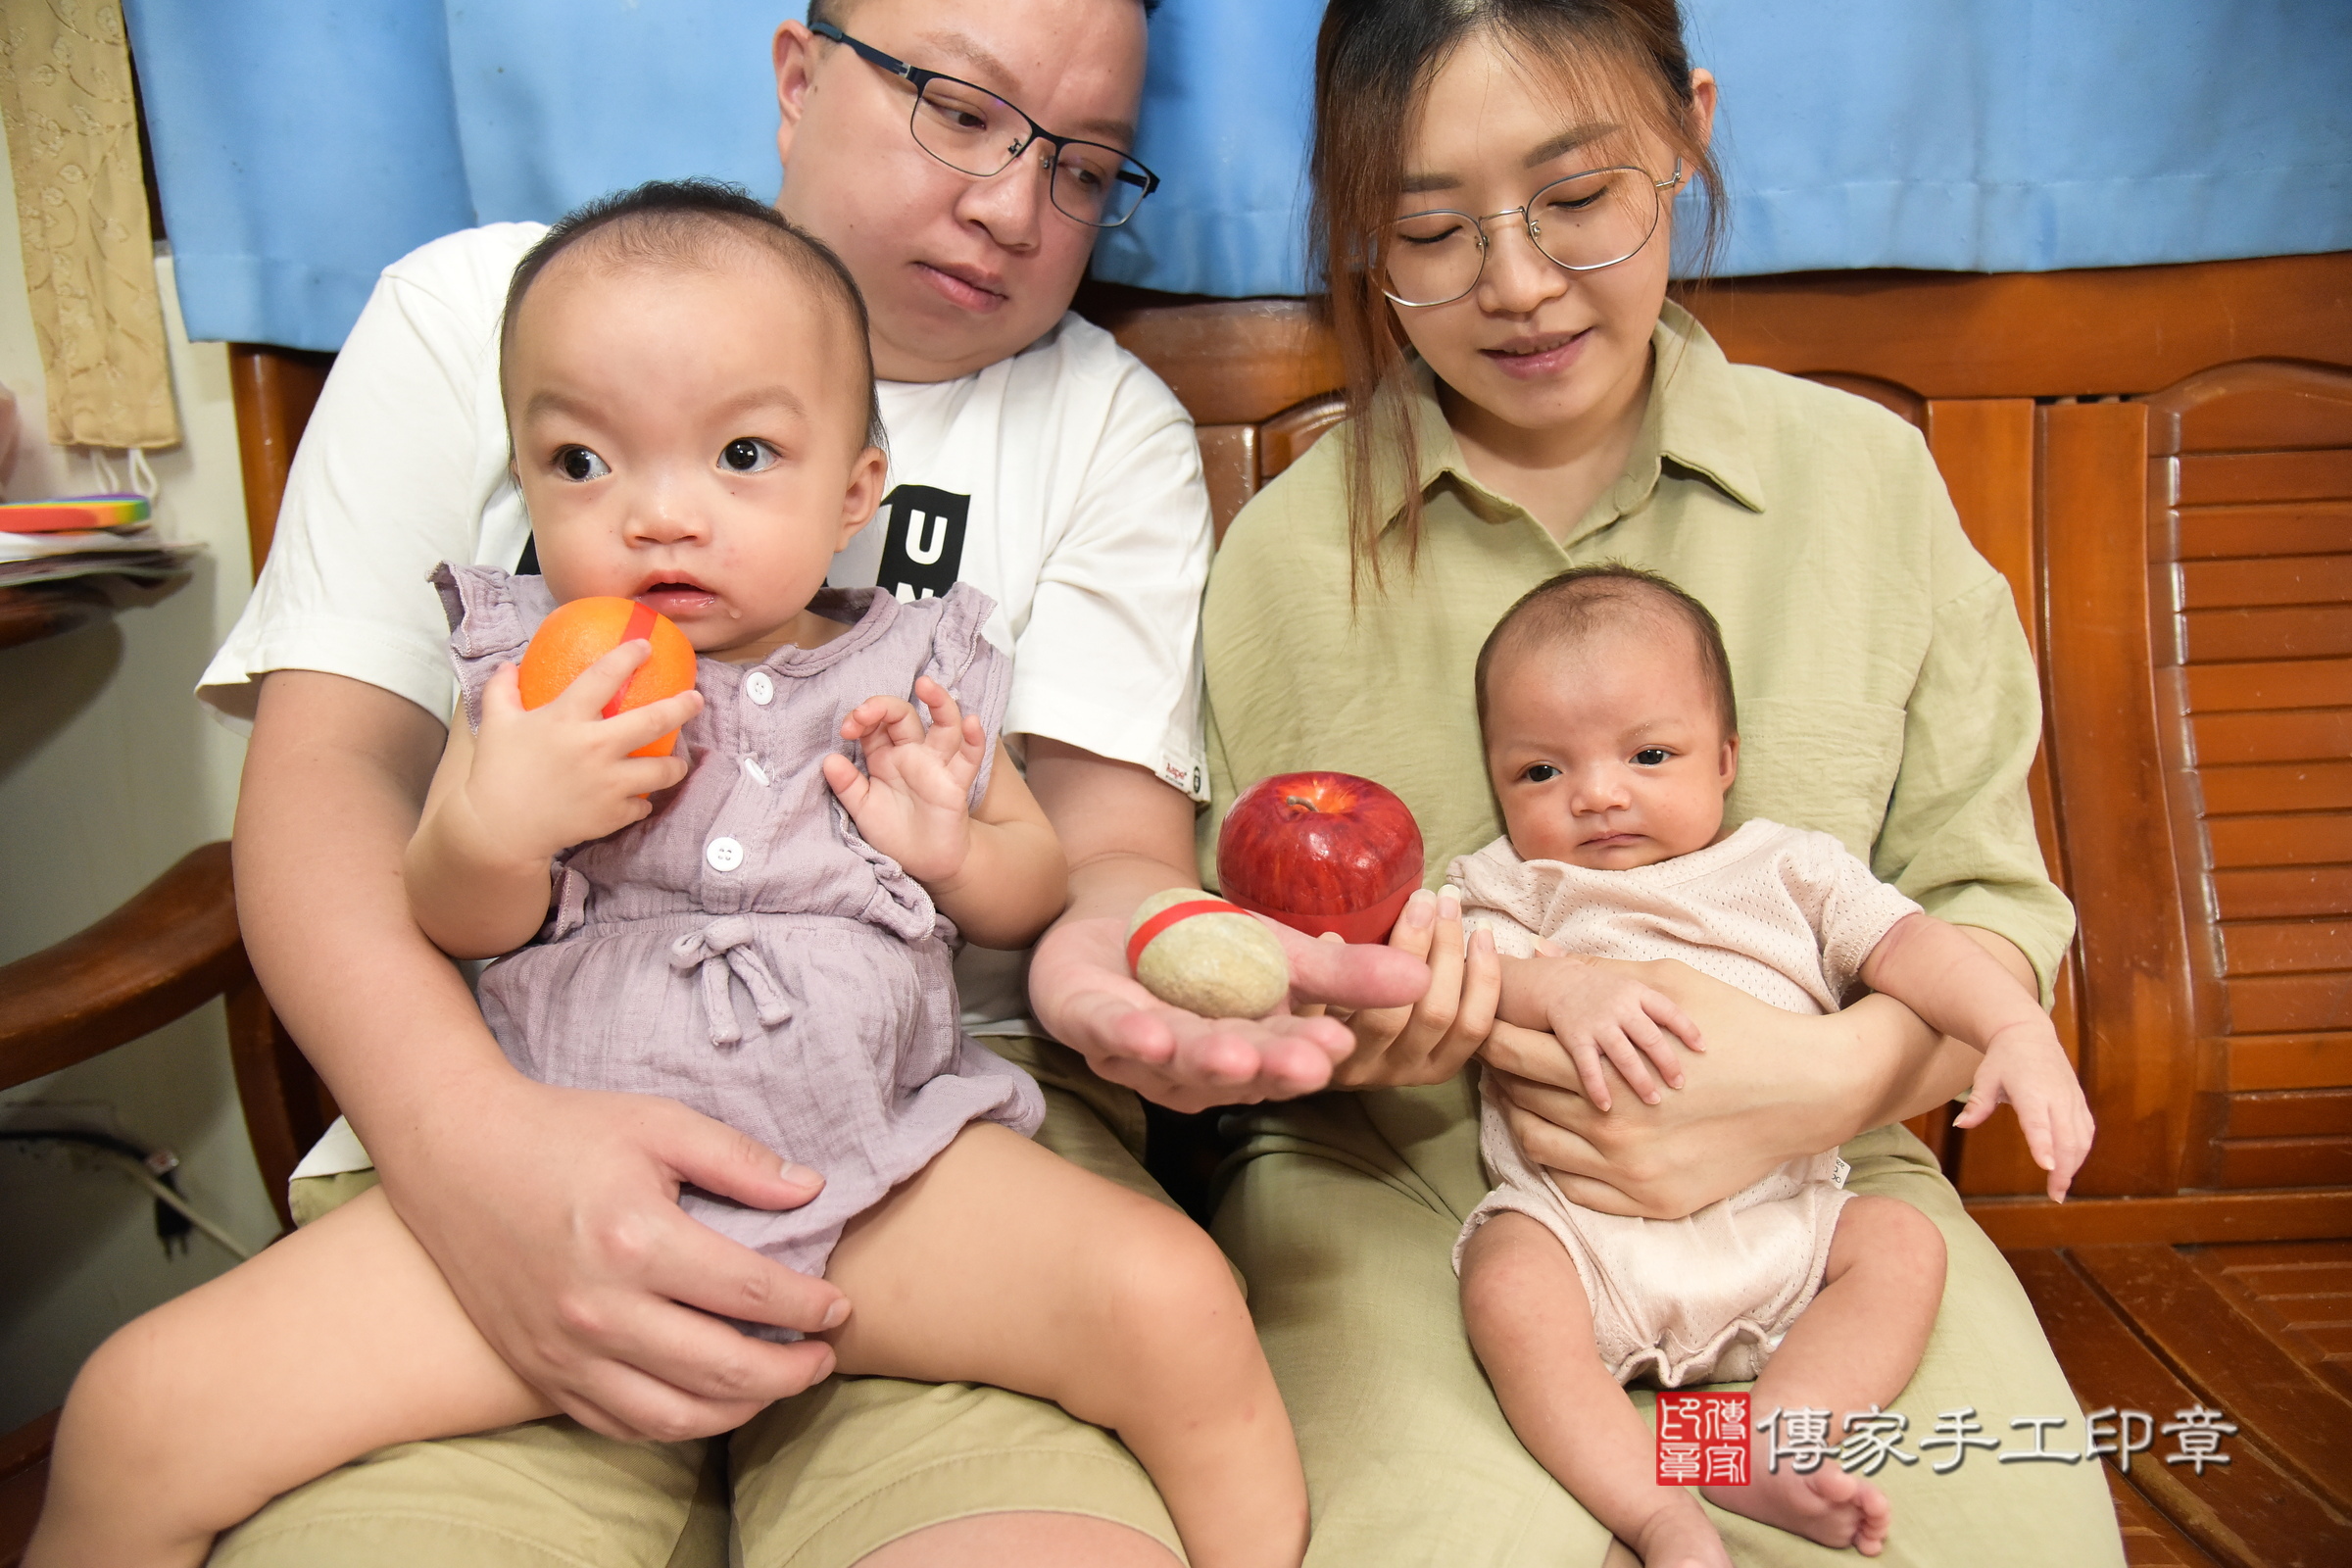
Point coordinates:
pixel 65 514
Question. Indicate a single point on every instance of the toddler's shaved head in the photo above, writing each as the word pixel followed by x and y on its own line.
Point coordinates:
pixel 703 223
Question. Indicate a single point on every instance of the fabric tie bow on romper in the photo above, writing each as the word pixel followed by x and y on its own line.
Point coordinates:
pixel 721 948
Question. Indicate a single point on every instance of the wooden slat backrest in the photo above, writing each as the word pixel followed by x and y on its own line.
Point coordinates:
pixel 2250 544
pixel 2039 392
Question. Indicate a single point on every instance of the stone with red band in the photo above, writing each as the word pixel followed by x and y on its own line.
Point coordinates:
pixel 1229 965
pixel 1143 934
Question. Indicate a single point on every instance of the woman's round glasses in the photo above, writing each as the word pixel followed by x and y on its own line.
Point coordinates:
pixel 1584 223
pixel 973 131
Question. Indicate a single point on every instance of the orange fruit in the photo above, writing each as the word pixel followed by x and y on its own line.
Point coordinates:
pixel 580 633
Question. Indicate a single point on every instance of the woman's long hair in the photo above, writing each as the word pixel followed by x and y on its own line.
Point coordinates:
pixel 1374 61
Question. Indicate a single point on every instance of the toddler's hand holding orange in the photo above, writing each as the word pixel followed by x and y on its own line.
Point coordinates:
pixel 576 634
pixel 545 778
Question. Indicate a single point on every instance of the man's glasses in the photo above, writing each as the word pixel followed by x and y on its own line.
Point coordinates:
pixel 973 131
pixel 1584 223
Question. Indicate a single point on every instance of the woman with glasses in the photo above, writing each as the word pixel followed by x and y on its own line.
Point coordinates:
pixel 961 158
pixel 1496 189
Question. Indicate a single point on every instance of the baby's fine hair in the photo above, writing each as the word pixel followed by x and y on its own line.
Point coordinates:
pixel 1570 607
pixel 686 223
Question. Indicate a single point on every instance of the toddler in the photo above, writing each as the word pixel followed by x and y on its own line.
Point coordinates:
pixel 1605 701
pixel 757 927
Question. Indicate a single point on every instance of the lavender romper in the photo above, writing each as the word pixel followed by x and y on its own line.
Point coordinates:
pixel 743 951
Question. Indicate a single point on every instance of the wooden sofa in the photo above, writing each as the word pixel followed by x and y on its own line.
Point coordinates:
pixel 2160 461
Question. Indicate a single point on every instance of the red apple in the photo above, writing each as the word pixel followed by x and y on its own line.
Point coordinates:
pixel 1321 852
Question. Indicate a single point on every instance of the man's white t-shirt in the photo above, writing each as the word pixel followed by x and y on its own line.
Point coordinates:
pixel 1063 483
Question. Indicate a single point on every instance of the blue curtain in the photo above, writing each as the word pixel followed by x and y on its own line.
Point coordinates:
pixel 302 144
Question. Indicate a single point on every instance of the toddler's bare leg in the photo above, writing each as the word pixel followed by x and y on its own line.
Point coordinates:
pixel 336 1341
pixel 1856 1345
pixel 1531 1324
pixel 1003 1264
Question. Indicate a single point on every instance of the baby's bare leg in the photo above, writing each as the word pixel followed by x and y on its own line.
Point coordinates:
pixel 1856 1345
pixel 336 1341
pixel 1004 1264
pixel 1531 1324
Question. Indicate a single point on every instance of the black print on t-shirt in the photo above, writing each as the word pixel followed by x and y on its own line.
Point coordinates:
pixel 922 545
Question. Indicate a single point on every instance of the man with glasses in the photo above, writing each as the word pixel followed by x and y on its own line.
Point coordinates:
pixel 1029 455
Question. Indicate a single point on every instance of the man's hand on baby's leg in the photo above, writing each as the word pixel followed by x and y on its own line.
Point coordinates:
pixel 587 1277
pixel 2027 1066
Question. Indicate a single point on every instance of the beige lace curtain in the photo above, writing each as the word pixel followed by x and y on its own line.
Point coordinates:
pixel 81 207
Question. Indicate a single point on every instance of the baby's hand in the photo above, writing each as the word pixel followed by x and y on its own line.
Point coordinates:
pixel 911 802
pixel 2025 1065
pixel 545 778
pixel 1594 1012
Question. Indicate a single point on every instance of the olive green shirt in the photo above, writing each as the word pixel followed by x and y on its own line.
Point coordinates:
pixel 1885 688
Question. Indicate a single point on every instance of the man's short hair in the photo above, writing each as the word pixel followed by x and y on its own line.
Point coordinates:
pixel 1572 606
pixel 688 223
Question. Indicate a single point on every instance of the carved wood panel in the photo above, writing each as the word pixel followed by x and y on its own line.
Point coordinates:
pixel 2139 1057
pixel 1240 459
pixel 1985 448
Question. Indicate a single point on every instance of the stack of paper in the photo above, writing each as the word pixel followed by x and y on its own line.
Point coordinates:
pixel 85 536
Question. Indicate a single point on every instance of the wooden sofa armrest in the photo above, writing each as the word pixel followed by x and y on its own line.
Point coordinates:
pixel 166 953
pixel 163 954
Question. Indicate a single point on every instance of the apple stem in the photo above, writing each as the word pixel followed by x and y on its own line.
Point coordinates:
pixel 1299 800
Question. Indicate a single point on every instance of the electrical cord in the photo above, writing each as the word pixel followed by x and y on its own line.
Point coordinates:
pixel 142 1168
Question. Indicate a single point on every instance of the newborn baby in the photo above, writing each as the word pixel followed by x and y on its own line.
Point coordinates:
pixel 1611 736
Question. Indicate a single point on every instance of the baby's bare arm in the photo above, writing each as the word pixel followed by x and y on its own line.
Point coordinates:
pixel 997 869
pixel 1599 1012
pixel 474 901
pixel 1015 881
pixel 1955 986
pixel 1959 988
